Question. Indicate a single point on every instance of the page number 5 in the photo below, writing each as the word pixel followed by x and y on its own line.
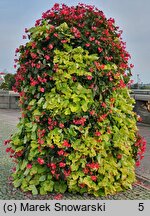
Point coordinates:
pixel 141 206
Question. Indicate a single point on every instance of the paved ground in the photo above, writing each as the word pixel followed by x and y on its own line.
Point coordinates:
pixel 8 121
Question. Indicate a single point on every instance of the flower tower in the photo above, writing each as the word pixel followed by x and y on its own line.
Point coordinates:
pixel 78 130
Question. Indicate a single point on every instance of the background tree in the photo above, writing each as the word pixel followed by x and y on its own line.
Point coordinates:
pixel 9 81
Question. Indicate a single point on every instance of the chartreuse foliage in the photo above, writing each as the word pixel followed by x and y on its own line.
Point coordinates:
pixel 78 130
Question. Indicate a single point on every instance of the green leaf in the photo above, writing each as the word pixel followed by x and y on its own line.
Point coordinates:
pixel 41 169
pixel 40 101
pixel 67 111
pixel 24 164
pixel 29 125
pixel 34 145
pixel 48 186
pixel 42 191
pixel 74 167
pixel 33 170
pixel 16 141
pixel 37 113
pixel 74 108
pixel 34 127
pixel 33 189
pixel 33 136
pixel 19 148
pixel 17 182
pixel 26 172
pixel 32 102
pixel 42 178
pixel 84 107
pixel 60 187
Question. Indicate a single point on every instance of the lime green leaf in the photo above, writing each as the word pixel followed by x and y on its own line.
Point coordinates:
pixel 33 189
pixel 42 178
pixel 17 182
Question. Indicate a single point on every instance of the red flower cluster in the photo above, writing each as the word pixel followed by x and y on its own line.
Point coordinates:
pixel 29 166
pixel 52 123
pixel 66 144
pixel 140 149
pixel 93 165
pixel 94 178
pixel 7 141
pixel 40 161
pixel 80 121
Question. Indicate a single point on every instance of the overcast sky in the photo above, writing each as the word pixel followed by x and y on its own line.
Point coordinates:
pixel 132 16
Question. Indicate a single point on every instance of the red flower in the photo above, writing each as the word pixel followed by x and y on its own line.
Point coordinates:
pixel 66 144
pixel 131 66
pixel 29 166
pixel 61 152
pixel 92 112
pixel 89 77
pixel 14 169
pixel 50 46
pixel 119 156
pixel 86 170
pixel 53 172
pixel 92 38
pixel 93 165
pixel 40 141
pixel 47 57
pixel 103 105
pixel 55 35
pixel 24 37
pixel 8 149
pixel 33 83
pixel 42 89
pixel 6 142
pixel 137 163
pixel 82 185
pixel 91 70
pixel 94 178
pixel 57 176
pixel 56 6
pixel 67 173
pixel 122 84
pixel 61 164
pixel 87 45
pixel 80 121
pixel 76 32
pixel 38 66
pixel 26 30
pixel 64 12
pixel 61 125
pixel 94 28
pixel 53 165
pixel 64 41
pixel 58 197
pixel 102 117
pixel 98 66
pixel 139 118
pixel 97 133
pixel 33 55
pixel 40 161
pixel 17 50
pixel 100 49
pixel 33 44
